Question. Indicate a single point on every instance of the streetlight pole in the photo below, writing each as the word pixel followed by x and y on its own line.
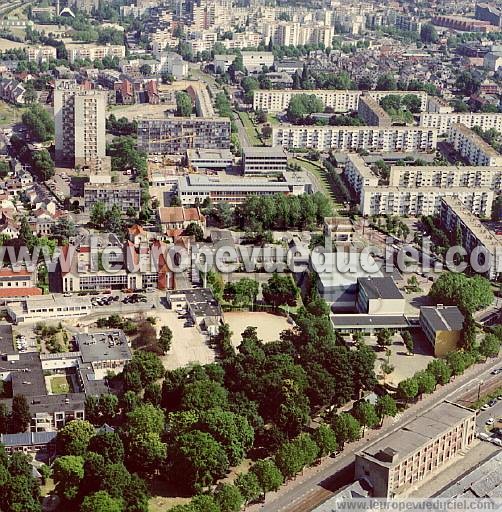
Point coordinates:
pixel 479 388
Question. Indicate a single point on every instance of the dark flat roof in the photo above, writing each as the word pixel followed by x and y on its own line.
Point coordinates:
pixel 343 320
pixel 443 318
pixel 6 340
pixel 380 287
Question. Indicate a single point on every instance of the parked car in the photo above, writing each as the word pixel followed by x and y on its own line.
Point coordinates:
pixel 491 403
pixel 485 407
pixel 489 421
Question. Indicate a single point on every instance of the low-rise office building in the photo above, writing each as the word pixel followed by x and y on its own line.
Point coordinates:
pixel 379 296
pixel 474 235
pixel 336 285
pixel 194 188
pixel 443 121
pixel 176 135
pixel 210 158
pixel 264 160
pixel 370 111
pixel 472 147
pixel 422 201
pixel 42 307
pixel 354 138
pixel 123 195
pixel 442 326
pixel 445 176
pixel 397 462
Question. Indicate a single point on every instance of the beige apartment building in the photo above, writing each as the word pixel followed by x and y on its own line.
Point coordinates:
pixel 41 53
pixel 472 147
pixel 277 100
pixel 353 138
pixel 298 34
pixel 443 121
pixel 423 200
pixel 370 111
pixel 394 464
pixel 358 173
pixel 475 236
pixel 79 116
pixel 445 176
pixel 94 52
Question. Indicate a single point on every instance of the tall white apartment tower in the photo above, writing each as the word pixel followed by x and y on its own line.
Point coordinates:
pixel 79 116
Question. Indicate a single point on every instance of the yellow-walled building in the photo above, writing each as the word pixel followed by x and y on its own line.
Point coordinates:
pixel 442 325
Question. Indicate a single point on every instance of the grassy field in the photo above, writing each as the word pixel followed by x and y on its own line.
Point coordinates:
pixel 326 183
pixel 60 385
pixel 250 129
pixel 9 114
pixel 319 172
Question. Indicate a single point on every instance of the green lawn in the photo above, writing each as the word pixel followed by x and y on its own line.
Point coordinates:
pixel 272 120
pixel 250 129
pixel 9 114
pixel 60 385
pixel 319 171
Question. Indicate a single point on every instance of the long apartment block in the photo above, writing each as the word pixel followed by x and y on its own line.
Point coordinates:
pixel 454 215
pixel 176 135
pixel 443 121
pixel 423 200
pixel 370 111
pixel 339 100
pixel 354 138
pixel 445 176
pixel 472 147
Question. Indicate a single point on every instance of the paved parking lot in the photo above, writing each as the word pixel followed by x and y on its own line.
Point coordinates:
pixel 405 365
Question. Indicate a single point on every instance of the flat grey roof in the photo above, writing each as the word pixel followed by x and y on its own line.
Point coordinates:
pixel 444 318
pixel 103 346
pixel 27 438
pixel 380 287
pixel 273 151
pixel 348 321
pixel 418 432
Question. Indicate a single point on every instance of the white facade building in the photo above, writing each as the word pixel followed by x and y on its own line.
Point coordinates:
pixel 354 138
pixel 422 201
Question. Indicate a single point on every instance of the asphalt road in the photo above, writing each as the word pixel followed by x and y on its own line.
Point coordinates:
pixel 314 486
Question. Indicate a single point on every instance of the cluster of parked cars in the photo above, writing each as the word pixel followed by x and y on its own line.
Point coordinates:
pixel 491 403
pixel 134 298
pixel 496 371
pixel 104 301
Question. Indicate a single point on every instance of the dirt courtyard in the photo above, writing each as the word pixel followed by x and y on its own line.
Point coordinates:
pixel 269 326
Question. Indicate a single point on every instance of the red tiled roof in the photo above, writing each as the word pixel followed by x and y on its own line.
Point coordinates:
pixel 19 292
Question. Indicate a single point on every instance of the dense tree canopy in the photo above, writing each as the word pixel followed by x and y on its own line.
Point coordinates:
pixel 468 293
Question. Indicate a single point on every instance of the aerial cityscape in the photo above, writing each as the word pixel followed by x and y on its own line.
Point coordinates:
pixel 250 255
